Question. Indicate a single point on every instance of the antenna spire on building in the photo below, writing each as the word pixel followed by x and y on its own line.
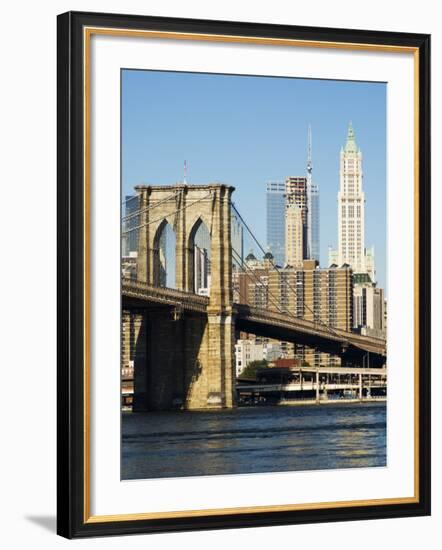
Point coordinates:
pixel 185 173
pixel 309 150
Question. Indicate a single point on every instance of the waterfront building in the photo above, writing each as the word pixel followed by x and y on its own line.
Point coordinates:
pixel 255 349
pixel 275 205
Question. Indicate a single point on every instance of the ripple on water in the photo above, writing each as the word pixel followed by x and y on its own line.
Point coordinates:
pixel 251 440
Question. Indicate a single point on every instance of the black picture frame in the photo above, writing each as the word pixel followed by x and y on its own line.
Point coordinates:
pixel 72 394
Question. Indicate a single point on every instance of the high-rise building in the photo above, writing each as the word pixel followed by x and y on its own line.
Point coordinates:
pixel 368 307
pixel 351 211
pixel 275 196
pixel 308 292
pixel 296 195
pixel 351 207
pixel 315 294
pixel 313 251
pixel 294 236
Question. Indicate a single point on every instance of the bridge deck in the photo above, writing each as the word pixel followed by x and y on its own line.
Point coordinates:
pixel 258 321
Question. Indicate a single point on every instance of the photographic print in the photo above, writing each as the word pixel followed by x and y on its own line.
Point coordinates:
pixel 253 274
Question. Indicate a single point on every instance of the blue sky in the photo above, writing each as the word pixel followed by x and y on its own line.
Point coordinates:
pixel 248 130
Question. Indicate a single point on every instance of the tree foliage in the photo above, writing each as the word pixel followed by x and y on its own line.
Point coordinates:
pixel 252 368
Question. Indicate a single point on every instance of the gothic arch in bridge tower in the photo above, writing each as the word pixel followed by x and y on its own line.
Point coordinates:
pixel 184 207
pixel 163 255
pixel 199 257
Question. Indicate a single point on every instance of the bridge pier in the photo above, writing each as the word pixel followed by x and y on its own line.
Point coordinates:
pixel 317 385
pixel 184 362
pixel 220 365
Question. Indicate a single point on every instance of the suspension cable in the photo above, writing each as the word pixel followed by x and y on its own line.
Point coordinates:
pixel 150 207
pixel 275 300
pixel 171 214
pixel 330 329
pixel 130 199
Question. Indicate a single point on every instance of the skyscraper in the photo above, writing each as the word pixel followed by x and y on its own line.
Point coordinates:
pixel 296 194
pixel 276 220
pixel 294 235
pixel 351 209
pixel 312 206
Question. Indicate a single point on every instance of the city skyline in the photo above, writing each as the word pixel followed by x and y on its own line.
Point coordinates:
pixel 227 130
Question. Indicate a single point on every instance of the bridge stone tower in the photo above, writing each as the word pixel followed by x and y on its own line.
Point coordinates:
pixel 189 358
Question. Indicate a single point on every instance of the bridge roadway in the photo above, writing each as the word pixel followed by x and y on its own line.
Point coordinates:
pixel 261 322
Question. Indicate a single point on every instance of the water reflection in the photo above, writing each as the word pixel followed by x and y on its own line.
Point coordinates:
pixel 251 440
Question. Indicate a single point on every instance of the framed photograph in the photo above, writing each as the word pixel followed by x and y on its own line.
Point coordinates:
pixel 243 274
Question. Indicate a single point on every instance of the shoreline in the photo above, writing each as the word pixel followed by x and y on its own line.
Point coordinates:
pixel 294 403
pixel 329 402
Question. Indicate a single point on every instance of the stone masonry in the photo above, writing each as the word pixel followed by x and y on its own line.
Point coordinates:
pixel 186 360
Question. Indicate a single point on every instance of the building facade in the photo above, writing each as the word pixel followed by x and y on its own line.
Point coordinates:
pixel 248 350
pixel 315 294
pixel 294 236
pixel 296 195
pixel 251 286
pixel 369 310
pixel 351 207
pixel 308 292
pixel 130 225
pixel 351 213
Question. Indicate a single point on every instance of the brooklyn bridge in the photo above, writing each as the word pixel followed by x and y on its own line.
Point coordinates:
pixel 182 342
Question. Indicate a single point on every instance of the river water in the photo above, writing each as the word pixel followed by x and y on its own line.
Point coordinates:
pixel 253 439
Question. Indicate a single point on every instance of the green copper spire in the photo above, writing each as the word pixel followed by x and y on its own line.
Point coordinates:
pixel 350 146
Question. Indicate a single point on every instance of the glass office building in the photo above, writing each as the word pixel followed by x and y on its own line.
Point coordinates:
pixel 130 225
pixel 313 220
pixel 276 220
